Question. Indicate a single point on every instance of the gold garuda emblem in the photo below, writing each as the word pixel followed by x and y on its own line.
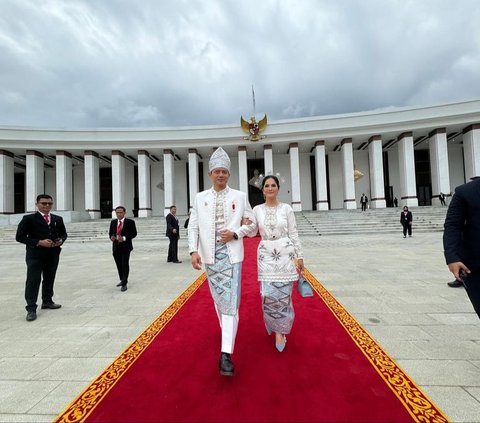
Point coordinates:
pixel 253 128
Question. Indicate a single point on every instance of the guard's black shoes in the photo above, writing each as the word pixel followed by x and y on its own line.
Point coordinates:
pixel 51 306
pixel 119 283
pixel 123 288
pixel 226 365
pixel 455 284
pixel 31 316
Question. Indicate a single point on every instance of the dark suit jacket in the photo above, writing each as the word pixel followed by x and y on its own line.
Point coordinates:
pixel 129 231
pixel 461 236
pixel 172 223
pixel 404 220
pixel 33 228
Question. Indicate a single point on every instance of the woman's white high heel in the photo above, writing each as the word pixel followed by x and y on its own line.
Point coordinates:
pixel 281 347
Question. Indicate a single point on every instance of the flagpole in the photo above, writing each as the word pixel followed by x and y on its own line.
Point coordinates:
pixel 253 98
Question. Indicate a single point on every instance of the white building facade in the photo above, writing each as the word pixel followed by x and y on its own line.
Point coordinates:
pixel 412 154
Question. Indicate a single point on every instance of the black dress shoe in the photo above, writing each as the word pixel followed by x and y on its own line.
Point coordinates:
pixel 455 284
pixel 124 288
pixel 51 306
pixel 119 283
pixel 226 365
pixel 31 316
pixel 177 261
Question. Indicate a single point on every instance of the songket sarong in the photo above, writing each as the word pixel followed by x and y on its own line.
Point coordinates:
pixel 224 281
pixel 277 273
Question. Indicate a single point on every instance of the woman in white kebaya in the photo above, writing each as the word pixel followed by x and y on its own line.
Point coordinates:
pixel 279 254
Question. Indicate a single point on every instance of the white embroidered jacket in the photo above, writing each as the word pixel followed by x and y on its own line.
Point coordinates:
pixel 201 226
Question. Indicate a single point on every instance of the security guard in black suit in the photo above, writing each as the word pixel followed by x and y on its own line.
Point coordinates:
pixel 406 219
pixel 173 234
pixel 43 233
pixel 122 231
pixel 461 238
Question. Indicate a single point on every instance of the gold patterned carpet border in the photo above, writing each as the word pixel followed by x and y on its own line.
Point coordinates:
pixel 86 402
pixel 420 407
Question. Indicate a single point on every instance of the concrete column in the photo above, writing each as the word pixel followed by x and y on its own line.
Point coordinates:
pixel 321 176
pixel 348 179
pixel 437 146
pixel 92 184
pixel 242 169
pixel 64 180
pixel 168 178
pixel 377 181
pixel 144 185
pixel 471 151
pixel 194 183
pixel 35 180
pixel 406 165
pixel 118 180
pixel 295 176
pixel 7 193
pixel 268 159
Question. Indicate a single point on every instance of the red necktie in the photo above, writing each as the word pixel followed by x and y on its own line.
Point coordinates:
pixel 119 227
pixel 47 220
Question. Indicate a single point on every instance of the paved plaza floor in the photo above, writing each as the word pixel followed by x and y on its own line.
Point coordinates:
pixel 396 288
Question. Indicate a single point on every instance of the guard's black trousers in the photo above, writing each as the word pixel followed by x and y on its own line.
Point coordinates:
pixel 407 228
pixel 472 286
pixel 172 248
pixel 122 260
pixel 42 264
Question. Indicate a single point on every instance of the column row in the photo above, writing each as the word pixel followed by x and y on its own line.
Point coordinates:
pixel 437 145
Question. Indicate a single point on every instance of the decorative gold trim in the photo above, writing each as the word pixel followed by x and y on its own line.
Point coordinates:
pixel 88 400
pixel 418 405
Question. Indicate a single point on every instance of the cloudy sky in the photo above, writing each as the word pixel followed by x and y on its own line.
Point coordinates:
pixel 158 63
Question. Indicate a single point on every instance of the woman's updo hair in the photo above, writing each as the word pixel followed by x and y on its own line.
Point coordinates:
pixel 270 177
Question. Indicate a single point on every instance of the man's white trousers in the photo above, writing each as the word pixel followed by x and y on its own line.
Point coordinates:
pixel 229 326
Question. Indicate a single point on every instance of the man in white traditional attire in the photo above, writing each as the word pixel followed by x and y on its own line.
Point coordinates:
pixel 215 239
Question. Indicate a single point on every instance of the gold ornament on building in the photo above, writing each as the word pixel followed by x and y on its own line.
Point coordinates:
pixel 253 128
pixel 357 175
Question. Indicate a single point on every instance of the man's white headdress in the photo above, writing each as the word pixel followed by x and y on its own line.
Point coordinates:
pixel 219 159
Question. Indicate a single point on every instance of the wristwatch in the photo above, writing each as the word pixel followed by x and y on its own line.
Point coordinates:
pixel 235 236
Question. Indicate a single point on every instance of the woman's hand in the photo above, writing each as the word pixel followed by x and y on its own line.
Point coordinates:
pixel 245 221
pixel 300 266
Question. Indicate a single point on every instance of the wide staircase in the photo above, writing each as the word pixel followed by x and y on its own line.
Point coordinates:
pixel 309 223
pixel 344 222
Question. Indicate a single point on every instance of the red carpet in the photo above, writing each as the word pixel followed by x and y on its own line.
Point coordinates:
pixel 330 371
